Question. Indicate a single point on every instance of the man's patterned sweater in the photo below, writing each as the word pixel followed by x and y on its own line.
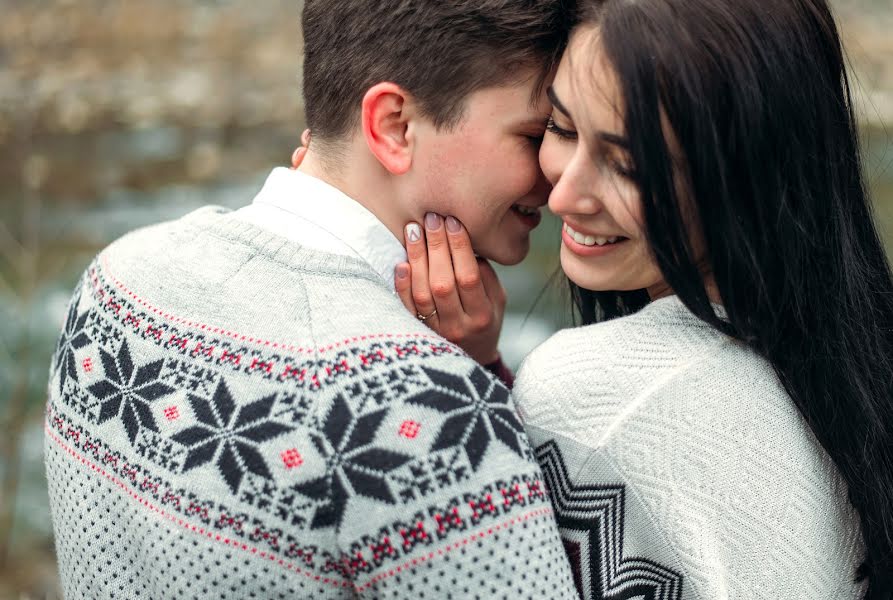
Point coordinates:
pixel 232 415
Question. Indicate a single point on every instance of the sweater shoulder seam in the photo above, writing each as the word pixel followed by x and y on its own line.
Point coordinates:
pixel 660 383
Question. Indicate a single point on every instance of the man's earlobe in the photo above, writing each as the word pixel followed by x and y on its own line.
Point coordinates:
pixel 386 119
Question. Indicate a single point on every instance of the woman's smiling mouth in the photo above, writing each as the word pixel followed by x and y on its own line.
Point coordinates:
pixel 591 240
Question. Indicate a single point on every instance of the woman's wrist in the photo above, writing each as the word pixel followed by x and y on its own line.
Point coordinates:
pixel 501 370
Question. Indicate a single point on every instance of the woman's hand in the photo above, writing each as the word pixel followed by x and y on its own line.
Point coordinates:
pixel 455 293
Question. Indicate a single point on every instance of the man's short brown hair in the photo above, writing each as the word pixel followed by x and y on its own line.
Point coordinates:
pixel 440 51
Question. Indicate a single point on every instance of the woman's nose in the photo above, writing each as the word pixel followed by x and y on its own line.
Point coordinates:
pixel 573 193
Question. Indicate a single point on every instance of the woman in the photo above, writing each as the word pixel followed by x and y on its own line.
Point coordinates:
pixel 722 426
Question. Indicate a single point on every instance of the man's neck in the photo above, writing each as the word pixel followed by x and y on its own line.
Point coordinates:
pixel 365 185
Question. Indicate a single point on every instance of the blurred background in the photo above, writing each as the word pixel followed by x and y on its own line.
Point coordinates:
pixel 115 115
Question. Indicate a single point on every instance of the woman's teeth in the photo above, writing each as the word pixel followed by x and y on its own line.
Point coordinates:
pixel 527 211
pixel 589 240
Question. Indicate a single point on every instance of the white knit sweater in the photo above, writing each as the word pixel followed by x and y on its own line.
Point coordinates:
pixel 680 467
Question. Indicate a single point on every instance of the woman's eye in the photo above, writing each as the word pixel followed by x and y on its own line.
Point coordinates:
pixel 622 168
pixel 562 133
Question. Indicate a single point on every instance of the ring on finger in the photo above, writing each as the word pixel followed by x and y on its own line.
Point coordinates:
pixel 424 318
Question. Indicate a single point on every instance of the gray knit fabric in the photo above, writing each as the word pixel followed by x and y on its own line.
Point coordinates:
pixel 234 416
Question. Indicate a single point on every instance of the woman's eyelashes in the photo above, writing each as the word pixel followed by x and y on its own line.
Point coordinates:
pixel 564 134
pixel 536 140
pixel 614 158
pixel 621 168
pixel 607 153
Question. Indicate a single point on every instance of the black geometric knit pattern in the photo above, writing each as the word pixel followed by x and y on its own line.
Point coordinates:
pixel 230 435
pixel 128 391
pixel 590 519
pixel 478 412
pixel 355 465
pixel 73 338
pixel 391 543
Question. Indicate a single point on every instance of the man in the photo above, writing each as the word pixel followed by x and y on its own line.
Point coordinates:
pixel 240 406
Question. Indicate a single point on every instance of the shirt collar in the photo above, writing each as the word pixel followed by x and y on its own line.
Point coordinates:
pixel 324 206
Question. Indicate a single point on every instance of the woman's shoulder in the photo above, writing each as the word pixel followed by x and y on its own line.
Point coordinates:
pixel 662 335
pixel 589 378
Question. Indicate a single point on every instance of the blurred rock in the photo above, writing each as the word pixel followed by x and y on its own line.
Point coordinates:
pixel 35 172
pixel 866 27
pixel 78 69
pixel 92 64
pixel 203 161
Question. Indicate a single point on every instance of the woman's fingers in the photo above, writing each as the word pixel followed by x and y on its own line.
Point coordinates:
pixel 403 286
pixel 445 276
pixel 468 276
pixel 442 278
pixel 420 290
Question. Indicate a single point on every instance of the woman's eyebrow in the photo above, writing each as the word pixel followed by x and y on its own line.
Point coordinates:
pixel 610 138
pixel 553 98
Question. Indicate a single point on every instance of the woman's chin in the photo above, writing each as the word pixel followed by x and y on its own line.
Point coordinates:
pixel 583 275
pixel 602 274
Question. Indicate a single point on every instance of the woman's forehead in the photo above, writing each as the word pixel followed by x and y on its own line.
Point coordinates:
pixel 587 84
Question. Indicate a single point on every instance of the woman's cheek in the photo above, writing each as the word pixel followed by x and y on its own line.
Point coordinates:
pixel 630 214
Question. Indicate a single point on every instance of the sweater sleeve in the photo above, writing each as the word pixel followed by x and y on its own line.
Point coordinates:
pixel 451 504
pixel 502 372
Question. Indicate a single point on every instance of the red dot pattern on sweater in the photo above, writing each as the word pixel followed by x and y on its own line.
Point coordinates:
pixel 292 458
pixel 410 429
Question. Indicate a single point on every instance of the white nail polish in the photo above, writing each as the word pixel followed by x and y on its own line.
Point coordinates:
pixel 413 233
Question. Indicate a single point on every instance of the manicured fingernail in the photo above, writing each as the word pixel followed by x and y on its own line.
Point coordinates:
pixel 432 221
pixel 402 271
pixel 413 232
pixel 453 225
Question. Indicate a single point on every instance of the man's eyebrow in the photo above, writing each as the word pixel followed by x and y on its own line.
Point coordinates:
pixel 553 98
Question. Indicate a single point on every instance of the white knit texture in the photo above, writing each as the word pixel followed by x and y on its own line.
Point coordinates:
pixel 707 443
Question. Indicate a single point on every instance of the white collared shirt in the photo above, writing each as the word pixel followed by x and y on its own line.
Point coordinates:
pixel 313 213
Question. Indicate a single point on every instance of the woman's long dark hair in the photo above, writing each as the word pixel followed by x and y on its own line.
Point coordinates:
pixel 757 97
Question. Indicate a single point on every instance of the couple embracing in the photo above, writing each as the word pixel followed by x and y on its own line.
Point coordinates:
pixel 264 418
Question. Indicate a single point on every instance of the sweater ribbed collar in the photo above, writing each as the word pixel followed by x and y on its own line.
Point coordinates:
pixel 321 217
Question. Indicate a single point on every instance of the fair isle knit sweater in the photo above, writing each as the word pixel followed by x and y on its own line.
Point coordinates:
pixel 680 468
pixel 234 415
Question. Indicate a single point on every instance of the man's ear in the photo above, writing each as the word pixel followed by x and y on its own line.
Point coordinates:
pixel 386 116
